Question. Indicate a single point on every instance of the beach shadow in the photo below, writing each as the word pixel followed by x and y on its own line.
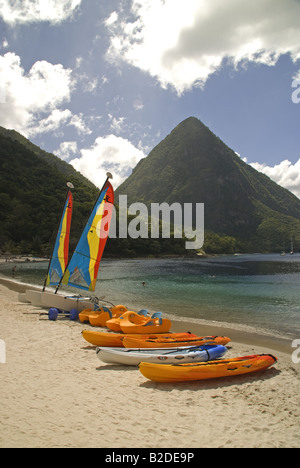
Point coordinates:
pixel 116 367
pixel 213 384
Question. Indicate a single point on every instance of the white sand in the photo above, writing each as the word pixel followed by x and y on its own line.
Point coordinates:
pixel 56 393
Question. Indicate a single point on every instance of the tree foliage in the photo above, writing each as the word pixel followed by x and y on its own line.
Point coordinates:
pixel 32 193
pixel 245 211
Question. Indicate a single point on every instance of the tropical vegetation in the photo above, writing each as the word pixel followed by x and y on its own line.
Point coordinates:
pixel 244 210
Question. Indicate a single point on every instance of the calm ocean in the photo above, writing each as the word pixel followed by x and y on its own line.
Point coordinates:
pixel 260 291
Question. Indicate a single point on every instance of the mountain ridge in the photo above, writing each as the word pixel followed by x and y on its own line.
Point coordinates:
pixel 32 191
pixel 192 165
pixel 245 211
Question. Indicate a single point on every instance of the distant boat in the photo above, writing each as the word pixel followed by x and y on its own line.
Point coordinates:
pixel 292 246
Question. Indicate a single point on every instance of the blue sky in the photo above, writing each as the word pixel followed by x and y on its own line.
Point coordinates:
pixel 101 82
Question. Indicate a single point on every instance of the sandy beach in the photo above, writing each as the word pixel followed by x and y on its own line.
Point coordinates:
pixel 56 393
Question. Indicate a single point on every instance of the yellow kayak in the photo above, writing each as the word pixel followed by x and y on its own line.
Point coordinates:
pixel 133 323
pixel 99 318
pixel 115 340
pixel 171 341
pixel 206 370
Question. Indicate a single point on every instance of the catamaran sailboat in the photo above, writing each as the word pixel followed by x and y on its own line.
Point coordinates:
pixel 82 269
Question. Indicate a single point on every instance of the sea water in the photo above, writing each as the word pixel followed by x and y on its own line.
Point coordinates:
pixel 249 291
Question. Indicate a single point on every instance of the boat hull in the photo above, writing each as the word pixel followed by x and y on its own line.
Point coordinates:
pixel 46 300
pixel 171 342
pixel 33 297
pixel 133 356
pixel 208 370
pixel 66 303
pixel 115 340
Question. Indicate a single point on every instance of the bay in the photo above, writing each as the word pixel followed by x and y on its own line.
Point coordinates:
pixel 260 292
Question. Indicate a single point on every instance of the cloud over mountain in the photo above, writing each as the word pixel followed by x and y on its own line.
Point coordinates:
pixel 183 43
pixel 285 174
pixel 110 153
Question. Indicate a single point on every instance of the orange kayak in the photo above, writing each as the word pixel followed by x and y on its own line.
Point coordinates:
pixel 114 340
pixel 172 341
pixel 133 323
pixel 206 370
pixel 99 317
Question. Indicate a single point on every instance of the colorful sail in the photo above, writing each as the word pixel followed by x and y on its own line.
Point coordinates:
pixel 83 268
pixel 60 256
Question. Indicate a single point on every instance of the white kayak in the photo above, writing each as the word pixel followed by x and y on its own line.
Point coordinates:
pixel 133 356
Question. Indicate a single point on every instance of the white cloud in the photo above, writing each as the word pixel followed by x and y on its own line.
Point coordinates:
pixel 285 174
pixel 5 44
pixel 114 154
pixel 30 101
pixel 89 84
pixel 183 42
pixel 66 150
pixel 77 121
pixel 138 104
pixel 296 77
pixel 112 19
pixel 117 125
pixel 30 11
pixel 54 121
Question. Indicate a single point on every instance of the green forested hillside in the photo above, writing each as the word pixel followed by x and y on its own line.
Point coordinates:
pixel 32 192
pixel 244 210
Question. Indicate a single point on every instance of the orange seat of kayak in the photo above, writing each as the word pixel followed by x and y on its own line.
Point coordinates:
pixel 115 323
pixel 89 315
pixel 134 323
pixel 99 319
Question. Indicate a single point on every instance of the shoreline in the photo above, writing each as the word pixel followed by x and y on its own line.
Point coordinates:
pixel 56 393
pixel 268 342
pixel 275 343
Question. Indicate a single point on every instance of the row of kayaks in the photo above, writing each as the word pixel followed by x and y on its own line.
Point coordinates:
pixel 138 339
pixel 167 340
pixel 174 357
